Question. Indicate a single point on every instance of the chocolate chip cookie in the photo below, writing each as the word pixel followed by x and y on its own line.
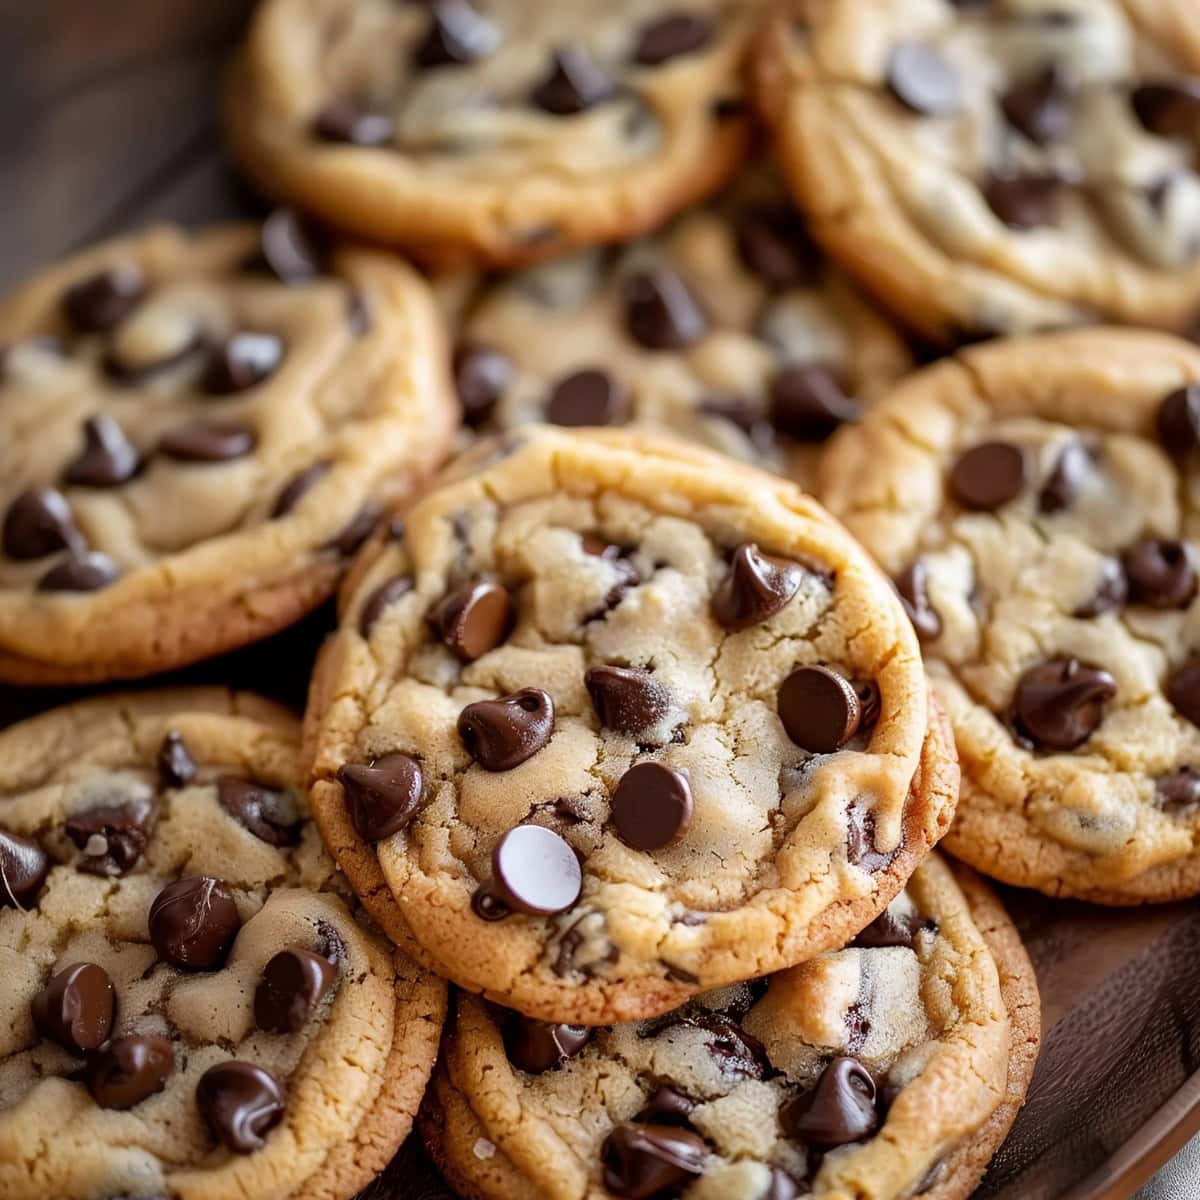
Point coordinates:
pixel 189 1006
pixel 196 431
pixel 499 131
pixel 1035 501
pixel 729 329
pixel 888 1069
pixel 617 721
pixel 997 166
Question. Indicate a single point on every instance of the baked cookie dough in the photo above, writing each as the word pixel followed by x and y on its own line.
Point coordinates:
pixel 889 1069
pixel 498 131
pixel 189 1006
pixel 729 329
pixel 196 431
pixel 1037 502
pixel 998 166
pixel 618 721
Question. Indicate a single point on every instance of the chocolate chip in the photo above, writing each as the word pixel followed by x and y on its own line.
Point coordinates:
pixel 1059 703
pixel 381 599
pixel 536 871
pixel 176 766
pixel 112 837
pixel 346 120
pixel 204 443
pixel 1183 689
pixel 626 700
pixel 24 866
pixel 861 849
pixel 989 475
pixel 241 1104
pixel 487 905
pixel 76 1007
pixel 819 708
pixel 1024 201
pixel 666 1106
pixel 660 311
pixel 1040 107
pixel 108 456
pixel 1178 792
pixel 502 734
pixel 383 796
pixel 101 301
pixel 839 1110
pixel 913 586
pixel 1170 108
pixel 86 572
pixel 1178 420
pixel 1066 479
pixel 808 403
pixel 781 1186
pixel 652 806
pixel 587 397
pixel 293 983
pixel 297 487
pixel 773 244
pixel 538 1046
pixel 356 531
pixel 627 573
pixel 641 1161
pixel 474 619
pixel 671 36
pixel 457 34
pixel 1161 572
pixel 756 587
pixel 893 927
pixel 290 248
pixel 272 816
pixel 129 1070
pixel 482 374
pixel 1111 592
pixel 574 84
pixel 38 522
pixel 241 361
pixel 922 80
pixel 193 922
pixel 738 1055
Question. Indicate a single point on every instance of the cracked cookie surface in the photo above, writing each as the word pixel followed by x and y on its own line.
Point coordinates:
pixel 501 131
pixel 1036 502
pixel 619 720
pixel 997 167
pixel 728 328
pixel 197 430
pixel 190 1007
pixel 890 1068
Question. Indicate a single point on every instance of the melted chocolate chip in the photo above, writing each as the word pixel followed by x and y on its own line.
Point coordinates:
pixel 1059 703
pixel 756 587
pixel 1170 108
pixel 242 361
pixel 1178 420
pixel 293 983
pixel 913 586
pixel 738 1054
pixel 660 311
pixel 24 866
pixel 272 816
pixel 538 1046
pixel 352 122
pixel 241 1103
pixel 502 734
pixel 1066 479
pixel 482 374
pixel 652 806
pixel 922 80
pixel 773 244
pixel 457 34
pixel 89 571
pixel 1161 572
pixel 625 700
pixel 1111 591
pixel 356 531
pixel 861 850
pixel 1024 201
pixel 574 84
pixel 1178 792
pixel 290 247
pixel 204 443
pixel 666 1106
pixel 819 708
pixel 108 456
pixel 193 922
pixel 474 619
pixel 102 301
pixel 1183 689
pixel 893 927
pixel 1040 107
pixel 381 599
pixel 535 871
pixel 176 766
pixel 641 1161
pixel 38 522
pixel 671 36
pixel 76 1007
pixel 297 488
pixel 383 796
pixel 808 403
pixel 839 1110
pixel 129 1070
pixel 587 397
pixel 989 475
pixel 112 838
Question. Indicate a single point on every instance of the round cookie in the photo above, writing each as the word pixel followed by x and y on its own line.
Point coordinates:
pixel 618 721
pixel 1001 166
pixel 887 1069
pixel 728 328
pixel 1036 501
pixel 502 131
pixel 190 1008
pixel 196 431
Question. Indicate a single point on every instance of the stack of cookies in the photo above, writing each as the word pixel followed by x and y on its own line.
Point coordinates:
pixel 605 850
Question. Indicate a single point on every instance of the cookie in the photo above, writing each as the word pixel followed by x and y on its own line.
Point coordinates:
pixel 729 329
pixel 888 1069
pixel 1035 501
pixel 618 721
pixel 196 431
pixel 1001 166
pixel 501 131
pixel 190 1006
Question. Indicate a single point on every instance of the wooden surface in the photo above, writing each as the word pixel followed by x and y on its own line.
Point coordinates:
pixel 106 122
